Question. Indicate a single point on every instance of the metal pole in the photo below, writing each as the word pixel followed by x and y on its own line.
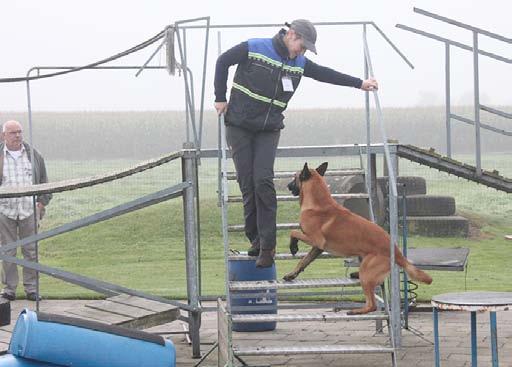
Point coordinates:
pixel 224 206
pixel 32 163
pixel 395 274
pixel 219 130
pixel 478 157
pixel 188 94
pixel 448 101
pixel 187 108
pixel 474 353
pixel 201 111
pixel 190 223
pixel 436 337
pixel 494 339
pixel 404 252
pixel 368 175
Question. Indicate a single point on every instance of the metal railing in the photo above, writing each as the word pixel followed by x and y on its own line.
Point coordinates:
pixel 476 51
pixel 186 189
pixel 394 305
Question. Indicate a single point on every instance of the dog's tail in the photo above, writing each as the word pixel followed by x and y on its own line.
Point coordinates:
pixel 413 272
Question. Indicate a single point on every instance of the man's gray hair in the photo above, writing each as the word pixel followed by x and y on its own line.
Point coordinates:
pixel 6 122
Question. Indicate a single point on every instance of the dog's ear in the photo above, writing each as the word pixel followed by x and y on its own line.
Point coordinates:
pixel 305 174
pixel 322 168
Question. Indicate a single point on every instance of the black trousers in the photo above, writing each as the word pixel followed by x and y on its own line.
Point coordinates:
pixel 254 155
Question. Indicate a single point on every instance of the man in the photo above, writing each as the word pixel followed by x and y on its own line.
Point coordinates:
pixel 17 214
pixel 268 73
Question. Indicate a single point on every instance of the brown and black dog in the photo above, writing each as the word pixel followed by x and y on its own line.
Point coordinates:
pixel 327 226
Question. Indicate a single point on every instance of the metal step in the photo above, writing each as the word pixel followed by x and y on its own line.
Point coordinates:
pixel 294 284
pixel 334 172
pixel 239 199
pixel 324 349
pixel 279 226
pixel 296 317
pixel 282 256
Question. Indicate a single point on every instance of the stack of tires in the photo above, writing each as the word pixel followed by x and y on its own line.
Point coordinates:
pixel 427 215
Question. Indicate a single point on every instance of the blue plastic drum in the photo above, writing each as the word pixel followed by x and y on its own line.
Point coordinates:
pixel 75 342
pixel 243 268
pixel 9 360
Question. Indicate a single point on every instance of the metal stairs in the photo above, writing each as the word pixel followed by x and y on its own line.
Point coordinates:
pixel 228 314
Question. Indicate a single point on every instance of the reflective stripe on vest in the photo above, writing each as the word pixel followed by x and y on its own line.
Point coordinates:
pixel 258 56
pixel 257 96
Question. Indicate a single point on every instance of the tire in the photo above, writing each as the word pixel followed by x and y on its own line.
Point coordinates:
pixel 452 226
pixel 427 205
pixel 414 185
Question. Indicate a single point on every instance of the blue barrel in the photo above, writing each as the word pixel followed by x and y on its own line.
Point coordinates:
pixel 69 341
pixel 9 360
pixel 242 268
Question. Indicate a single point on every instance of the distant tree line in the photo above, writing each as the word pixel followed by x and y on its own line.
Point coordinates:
pixel 143 134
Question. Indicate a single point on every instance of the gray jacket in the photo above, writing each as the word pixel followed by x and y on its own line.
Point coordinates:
pixel 39 171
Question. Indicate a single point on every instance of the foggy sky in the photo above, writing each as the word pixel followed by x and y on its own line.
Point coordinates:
pixel 58 32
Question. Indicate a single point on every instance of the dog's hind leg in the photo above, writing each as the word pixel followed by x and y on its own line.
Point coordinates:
pixel 372 272
pixel 303 263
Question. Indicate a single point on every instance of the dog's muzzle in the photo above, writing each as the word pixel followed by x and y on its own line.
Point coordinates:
pixel 292 186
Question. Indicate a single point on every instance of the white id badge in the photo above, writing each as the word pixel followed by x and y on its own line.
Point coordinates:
pixel 287 84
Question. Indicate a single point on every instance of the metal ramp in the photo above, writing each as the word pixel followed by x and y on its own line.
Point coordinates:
pixel 435 160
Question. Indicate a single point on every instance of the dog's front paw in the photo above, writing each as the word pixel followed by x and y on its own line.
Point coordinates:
pixel 294 247
pixel 290 276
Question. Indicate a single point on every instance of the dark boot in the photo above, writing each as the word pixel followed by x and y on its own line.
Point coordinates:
pixel 266 258
pixel 254 250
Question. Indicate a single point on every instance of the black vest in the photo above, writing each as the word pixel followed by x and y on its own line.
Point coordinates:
pixel 257 99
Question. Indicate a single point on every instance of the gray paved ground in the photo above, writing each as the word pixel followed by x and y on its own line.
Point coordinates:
pixel 417 350
pixel 417 347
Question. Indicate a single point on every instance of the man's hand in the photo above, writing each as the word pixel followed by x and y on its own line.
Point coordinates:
pixel 370 85
pixel 221 107
pixel 40 209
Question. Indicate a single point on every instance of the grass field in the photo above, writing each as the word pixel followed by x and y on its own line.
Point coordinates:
pixel 145 249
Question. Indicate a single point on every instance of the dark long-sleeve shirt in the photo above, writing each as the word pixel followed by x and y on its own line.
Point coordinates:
pixel 239 53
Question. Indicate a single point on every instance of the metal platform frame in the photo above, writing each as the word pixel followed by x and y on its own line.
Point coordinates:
pixel 389 152
pixel 477 106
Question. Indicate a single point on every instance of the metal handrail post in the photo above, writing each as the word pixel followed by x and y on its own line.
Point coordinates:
pixel 448 101
pixel 205 62
pixel 391 160
pixel 34 204
pixel 395 273
pixel 187 107
pixel 189 171
pixel 189 94
pixel 476 84
pixel 368 176
pixel 224 207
